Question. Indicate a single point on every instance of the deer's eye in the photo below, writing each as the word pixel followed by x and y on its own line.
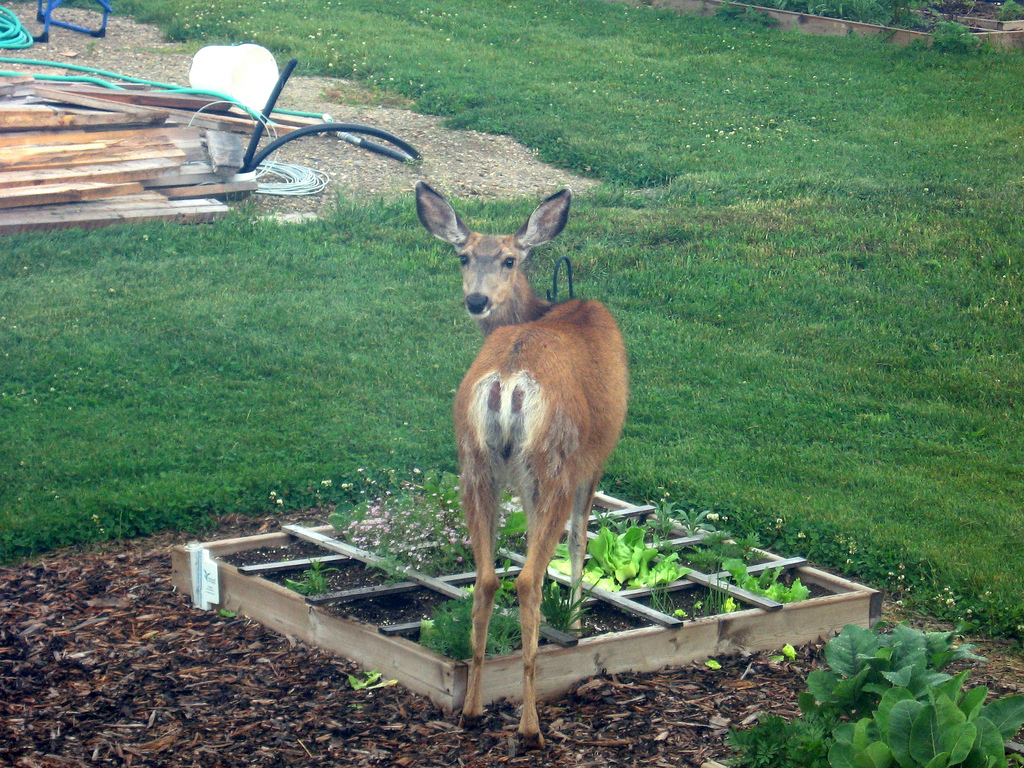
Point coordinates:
pixel 510 262
pixel 463 259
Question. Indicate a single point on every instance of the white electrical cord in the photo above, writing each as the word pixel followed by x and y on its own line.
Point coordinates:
pixel 296 180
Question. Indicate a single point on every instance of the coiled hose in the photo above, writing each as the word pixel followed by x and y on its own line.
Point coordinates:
pixel 12 32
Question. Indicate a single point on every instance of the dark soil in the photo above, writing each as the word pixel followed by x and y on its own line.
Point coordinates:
pixel 102 663
pixel 975 10
pixel 395 609
pixel 694 602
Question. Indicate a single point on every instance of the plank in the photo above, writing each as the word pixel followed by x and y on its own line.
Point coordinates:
pixel 713 582
pixel 11 85
pixel 130 170
pixel 169 133
pixel 60 156
pixel 224 189
pixel 59 95
pixel 188 173
pixel 152 98
pixel 290 565
pixel 226 150
pixel 31 116
pixel 368 593
pixel 103 213
pixel 73 192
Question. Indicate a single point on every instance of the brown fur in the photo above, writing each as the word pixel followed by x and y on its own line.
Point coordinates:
pixel 539 411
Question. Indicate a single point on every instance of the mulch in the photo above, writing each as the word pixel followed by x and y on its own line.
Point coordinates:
pixel 103 663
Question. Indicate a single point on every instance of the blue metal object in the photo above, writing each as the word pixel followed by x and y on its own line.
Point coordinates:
pixel 46 16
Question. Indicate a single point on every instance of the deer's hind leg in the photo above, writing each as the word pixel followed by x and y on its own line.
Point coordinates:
pixel 546 527
pixel 480 501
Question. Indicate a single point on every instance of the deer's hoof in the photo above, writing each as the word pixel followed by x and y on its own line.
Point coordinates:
pixel 531 740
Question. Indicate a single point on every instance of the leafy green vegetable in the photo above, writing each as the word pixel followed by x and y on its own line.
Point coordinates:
pixel 619 560
pixel 884 702
pixel 947 728
pixel 767 584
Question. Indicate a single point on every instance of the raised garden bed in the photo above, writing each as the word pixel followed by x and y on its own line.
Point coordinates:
pixel 1007 34
pixel 629 630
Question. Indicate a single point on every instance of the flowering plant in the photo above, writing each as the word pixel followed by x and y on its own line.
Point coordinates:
pixel 418 527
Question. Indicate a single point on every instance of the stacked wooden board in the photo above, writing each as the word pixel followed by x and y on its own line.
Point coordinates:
pixel 75 155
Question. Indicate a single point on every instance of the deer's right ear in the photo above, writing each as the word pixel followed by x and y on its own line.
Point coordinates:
pixel 547 221
pixel 438 216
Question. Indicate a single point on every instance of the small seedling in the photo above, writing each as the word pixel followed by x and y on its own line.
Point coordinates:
pixel 313 581
pixel 788 654
pixel 712 664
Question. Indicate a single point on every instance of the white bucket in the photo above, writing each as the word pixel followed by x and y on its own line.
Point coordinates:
pixel 246 73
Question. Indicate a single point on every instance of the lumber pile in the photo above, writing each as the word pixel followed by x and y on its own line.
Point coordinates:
pixel 74 155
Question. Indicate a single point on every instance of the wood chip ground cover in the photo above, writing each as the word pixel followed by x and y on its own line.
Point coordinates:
pixel 102 663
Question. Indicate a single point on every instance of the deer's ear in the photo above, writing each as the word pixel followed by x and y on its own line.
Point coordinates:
pixel 438 216
pixel 547 221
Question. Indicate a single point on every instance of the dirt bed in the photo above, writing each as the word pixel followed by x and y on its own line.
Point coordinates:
pixel 102 663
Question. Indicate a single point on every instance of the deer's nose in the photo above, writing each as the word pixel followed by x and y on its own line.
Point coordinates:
pixel 476 303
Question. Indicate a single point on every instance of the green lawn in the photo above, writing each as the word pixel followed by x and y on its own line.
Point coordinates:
pixel 812 245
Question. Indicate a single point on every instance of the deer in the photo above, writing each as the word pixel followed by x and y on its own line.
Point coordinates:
pixel 538 413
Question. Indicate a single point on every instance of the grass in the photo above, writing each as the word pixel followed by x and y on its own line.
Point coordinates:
pixel 818 279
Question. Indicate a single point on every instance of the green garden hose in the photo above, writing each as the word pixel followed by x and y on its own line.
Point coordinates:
pixel 93 76
pixel 12 33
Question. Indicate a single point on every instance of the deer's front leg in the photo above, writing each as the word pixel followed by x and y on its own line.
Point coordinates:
pixel 577 538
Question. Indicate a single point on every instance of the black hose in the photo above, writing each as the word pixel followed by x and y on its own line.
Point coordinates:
pixel 257 134
pixel 251 161
pixel 404 153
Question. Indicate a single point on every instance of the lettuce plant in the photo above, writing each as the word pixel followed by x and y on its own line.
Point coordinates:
pixel 619 560
pixel 766 584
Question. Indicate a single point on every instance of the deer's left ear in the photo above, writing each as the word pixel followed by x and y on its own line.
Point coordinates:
pixel 437 215
pixel 546 222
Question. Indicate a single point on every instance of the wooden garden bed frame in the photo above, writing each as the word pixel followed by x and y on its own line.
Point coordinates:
pixel 670 642
pixel 1000 34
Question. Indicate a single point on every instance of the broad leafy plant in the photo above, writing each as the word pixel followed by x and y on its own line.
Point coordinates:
pixel 864 665
pixel 885 701
pixel 949 728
